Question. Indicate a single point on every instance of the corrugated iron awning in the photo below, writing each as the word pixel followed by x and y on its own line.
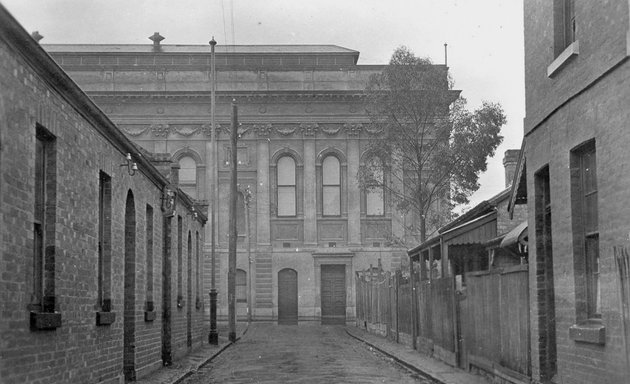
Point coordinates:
pixel 518 235
pixel 476 231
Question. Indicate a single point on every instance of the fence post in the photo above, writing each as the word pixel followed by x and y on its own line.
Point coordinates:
pixel 414 316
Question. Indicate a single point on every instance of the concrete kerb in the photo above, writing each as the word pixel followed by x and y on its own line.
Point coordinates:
pixel 210 358
pixel 400 361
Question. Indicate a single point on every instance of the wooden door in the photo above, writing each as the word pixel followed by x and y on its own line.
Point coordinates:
pixel 287 297
pixel 333 294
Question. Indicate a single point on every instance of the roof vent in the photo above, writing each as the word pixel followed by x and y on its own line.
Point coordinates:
pixel 156 38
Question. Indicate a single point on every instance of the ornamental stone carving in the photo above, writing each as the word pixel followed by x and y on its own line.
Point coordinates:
pixel 161 130
pixel 353 129
pixel 373 130
pixel 187 129
pixel 330 129
pixel 263 130
pixel 285 130
pixel 309 129
pixel 135 130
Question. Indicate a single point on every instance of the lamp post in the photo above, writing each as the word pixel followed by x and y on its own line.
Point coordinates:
pixel 213 337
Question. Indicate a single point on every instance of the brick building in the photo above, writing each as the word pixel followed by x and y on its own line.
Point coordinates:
pixel 303 136
pixel 577 78
pixel 101 255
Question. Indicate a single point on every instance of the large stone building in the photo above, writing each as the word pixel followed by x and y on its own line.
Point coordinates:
pixel 577 81
pixel 100 254
pixel 303 136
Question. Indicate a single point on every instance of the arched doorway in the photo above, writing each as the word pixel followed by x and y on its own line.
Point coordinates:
pixel 287 297
pixel 129 316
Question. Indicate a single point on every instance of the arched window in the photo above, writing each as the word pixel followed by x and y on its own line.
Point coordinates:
pixel 375 192
pixel 286 186
pixel 241 286
pixel 188 176
pixel 331 187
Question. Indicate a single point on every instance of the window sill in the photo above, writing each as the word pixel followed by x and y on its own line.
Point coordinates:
pixel 105 318
pixel 149 316
pixel 45 320
pixel 571 51
pixel 590 332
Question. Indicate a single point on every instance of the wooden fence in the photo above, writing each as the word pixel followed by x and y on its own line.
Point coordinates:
pixel 485 326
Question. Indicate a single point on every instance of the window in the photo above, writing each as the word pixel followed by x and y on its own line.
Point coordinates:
pixel 241 286
pixel 544 274
pixel 374 195
pixel 188 176
pixel 585 230
pixel 149 251
pixel 286 187
pixel 564 25
pixel 43 296
pixel 198 271
pixel 104 242
pixel 179 261
pixel 331 187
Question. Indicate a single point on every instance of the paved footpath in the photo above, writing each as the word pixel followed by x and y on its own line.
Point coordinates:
pixel 270 353
pixel 439 371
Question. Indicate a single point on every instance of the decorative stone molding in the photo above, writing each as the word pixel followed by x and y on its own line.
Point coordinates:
pixel 330 129
pixel 263 130
pixel 187 129
pixel 372 130
pixel 286 130
pixel 353 129
pixel 161 130
pixel 206 129
pixel 135 130
pixel 309 129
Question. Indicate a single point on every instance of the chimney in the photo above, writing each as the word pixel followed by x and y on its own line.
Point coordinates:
pixel 509 162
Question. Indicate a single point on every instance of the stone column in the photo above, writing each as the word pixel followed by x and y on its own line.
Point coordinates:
pixel 310 193
pixel 354 193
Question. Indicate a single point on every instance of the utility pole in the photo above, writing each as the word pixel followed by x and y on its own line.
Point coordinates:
pixel 213 337
pixel 233 234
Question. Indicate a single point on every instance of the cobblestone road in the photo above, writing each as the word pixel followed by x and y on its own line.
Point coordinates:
pixel 269 353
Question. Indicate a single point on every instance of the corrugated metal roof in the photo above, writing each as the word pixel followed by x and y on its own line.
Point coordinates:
pixel 220 49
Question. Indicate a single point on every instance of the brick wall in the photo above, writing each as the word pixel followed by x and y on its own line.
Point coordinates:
pixel 600 113
pixel 78 351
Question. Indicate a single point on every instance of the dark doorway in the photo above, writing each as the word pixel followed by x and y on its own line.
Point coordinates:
pixel 287 297
pixel 167 357
pixel 333 294
pixel 129 316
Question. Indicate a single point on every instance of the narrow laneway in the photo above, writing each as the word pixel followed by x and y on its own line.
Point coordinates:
pixel 270 353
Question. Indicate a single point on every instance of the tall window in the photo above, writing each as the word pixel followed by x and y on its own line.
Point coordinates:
pixel 374 195
pixel 179 258
pixel 286 187
pixel 198 270
pixel 43 224
pixel 149 251
pixel 585 227
pixel 188 176
pixel 331 187
pixel 241 286
pixel 564 24
pixel 104 241
pixel 544 273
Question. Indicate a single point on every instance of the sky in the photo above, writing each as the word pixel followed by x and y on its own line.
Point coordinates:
pixel 484 37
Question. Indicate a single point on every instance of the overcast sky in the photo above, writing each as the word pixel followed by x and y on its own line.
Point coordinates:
pixel 484 37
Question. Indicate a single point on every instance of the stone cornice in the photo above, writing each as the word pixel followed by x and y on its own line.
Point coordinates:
pixel 227 97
